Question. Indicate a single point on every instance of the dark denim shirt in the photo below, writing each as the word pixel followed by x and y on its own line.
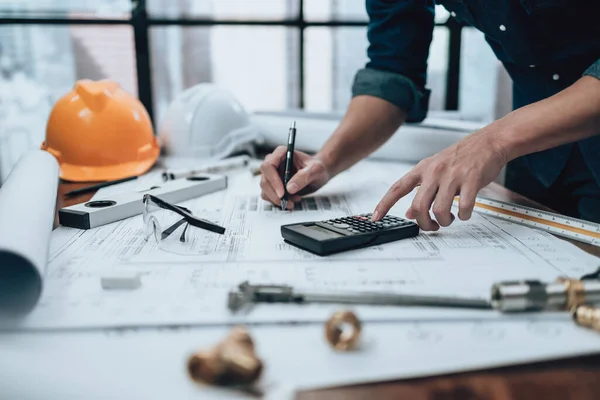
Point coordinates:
pixel 545 45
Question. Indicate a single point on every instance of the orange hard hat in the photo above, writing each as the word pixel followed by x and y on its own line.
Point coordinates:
pixel 99 132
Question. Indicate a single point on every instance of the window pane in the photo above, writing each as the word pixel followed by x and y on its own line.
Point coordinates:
pixel 224 9
pixel 333 55
pixel 118 9
pixel 39 64
pixel 325 10
pixel 257 64
pixel 480 74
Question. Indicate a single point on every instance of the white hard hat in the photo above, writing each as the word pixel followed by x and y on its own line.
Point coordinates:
pixel 207 122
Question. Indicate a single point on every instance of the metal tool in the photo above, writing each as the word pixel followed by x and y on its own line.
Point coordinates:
pixel 560 225
pixel 248 294
pixel 562 295
pixel 127 204
pixel 221 166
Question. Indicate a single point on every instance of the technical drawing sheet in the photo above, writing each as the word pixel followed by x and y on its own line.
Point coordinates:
pixel 463 259
pixel 150 363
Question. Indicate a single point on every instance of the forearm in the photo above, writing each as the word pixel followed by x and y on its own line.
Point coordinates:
pixel 368 124
pixel 569 116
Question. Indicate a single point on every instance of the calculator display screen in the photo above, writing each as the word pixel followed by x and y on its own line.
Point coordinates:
pixel 318 233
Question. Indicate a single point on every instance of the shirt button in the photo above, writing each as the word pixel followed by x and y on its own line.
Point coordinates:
pixel 453 14
pixel 502 28
pixel 532 66
pixel 556 77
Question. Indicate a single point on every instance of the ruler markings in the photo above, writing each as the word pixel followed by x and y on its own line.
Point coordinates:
pixel 560 225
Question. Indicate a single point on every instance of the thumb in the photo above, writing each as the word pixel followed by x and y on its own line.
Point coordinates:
pixel 305 176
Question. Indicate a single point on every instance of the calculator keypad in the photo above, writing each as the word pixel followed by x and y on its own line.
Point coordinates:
pixel 359 224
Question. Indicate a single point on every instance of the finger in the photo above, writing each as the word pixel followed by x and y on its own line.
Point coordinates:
pixel 269 170
pixel 301 159
pixel 468 194
pixel 291 205
pixel 293 200
pixel 399 189
pixel 305 176
pixel 443 205
pixel 421 205
pixel 268 193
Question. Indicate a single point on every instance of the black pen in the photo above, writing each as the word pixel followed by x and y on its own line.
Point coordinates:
pixel 98 186
pixel 289 163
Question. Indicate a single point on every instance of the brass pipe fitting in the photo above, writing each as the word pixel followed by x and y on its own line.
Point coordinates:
pixel 231 362
pixel 587 316
pixel 339 338
pixel 575 292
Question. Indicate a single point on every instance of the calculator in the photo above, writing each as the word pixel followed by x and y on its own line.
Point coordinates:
pixel 347 233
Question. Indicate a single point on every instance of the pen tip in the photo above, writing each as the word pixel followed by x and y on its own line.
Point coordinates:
pixel 294 125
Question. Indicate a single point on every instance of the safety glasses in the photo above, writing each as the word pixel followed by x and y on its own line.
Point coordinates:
pixel 175 228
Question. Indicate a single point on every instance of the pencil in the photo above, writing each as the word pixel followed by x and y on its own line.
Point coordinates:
pixel 98 186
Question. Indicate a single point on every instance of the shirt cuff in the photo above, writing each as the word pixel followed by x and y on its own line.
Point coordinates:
pixel 593 70
pixel 395 88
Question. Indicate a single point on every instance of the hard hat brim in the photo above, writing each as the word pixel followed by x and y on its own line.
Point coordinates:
pixel 79 173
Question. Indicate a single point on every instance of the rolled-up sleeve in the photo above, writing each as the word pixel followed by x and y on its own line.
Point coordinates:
pixel 593 70
pixel 399 34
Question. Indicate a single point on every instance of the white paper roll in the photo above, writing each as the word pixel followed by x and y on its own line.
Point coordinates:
pixel 412 142
pixel 27 209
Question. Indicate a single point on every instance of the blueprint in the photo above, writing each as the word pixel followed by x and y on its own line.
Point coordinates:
pixel 150 363
pixel 464 259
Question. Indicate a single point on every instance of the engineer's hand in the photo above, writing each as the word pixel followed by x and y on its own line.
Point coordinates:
pixel 309 174
pixel 461 169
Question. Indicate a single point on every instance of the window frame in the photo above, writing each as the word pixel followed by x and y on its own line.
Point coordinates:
pixel 142 23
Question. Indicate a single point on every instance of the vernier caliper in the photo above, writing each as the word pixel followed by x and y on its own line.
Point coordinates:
pixel 247 294
pixel 512 296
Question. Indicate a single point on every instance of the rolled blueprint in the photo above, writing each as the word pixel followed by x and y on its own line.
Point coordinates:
pixel 27 207
pixel 412 143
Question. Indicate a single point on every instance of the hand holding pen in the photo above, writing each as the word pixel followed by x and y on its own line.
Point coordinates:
pixel 306 174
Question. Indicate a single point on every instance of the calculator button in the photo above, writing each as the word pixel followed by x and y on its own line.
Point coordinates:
pixel 386 225
pixel 341 226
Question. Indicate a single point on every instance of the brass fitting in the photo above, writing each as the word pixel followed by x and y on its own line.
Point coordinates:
pixel 337 337
pixel 575 292
pixel 587 316
pixel 231 362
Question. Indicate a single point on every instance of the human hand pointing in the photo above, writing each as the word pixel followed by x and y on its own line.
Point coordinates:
pixel 309 175
pixel 461 169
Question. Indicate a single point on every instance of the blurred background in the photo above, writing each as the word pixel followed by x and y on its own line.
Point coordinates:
pixel 273 55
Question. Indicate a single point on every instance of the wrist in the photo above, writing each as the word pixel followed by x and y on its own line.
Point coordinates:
pixel 505 140
pixel 329 162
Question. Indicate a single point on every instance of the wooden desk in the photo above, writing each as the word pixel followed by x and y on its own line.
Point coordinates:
pixel 576 378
